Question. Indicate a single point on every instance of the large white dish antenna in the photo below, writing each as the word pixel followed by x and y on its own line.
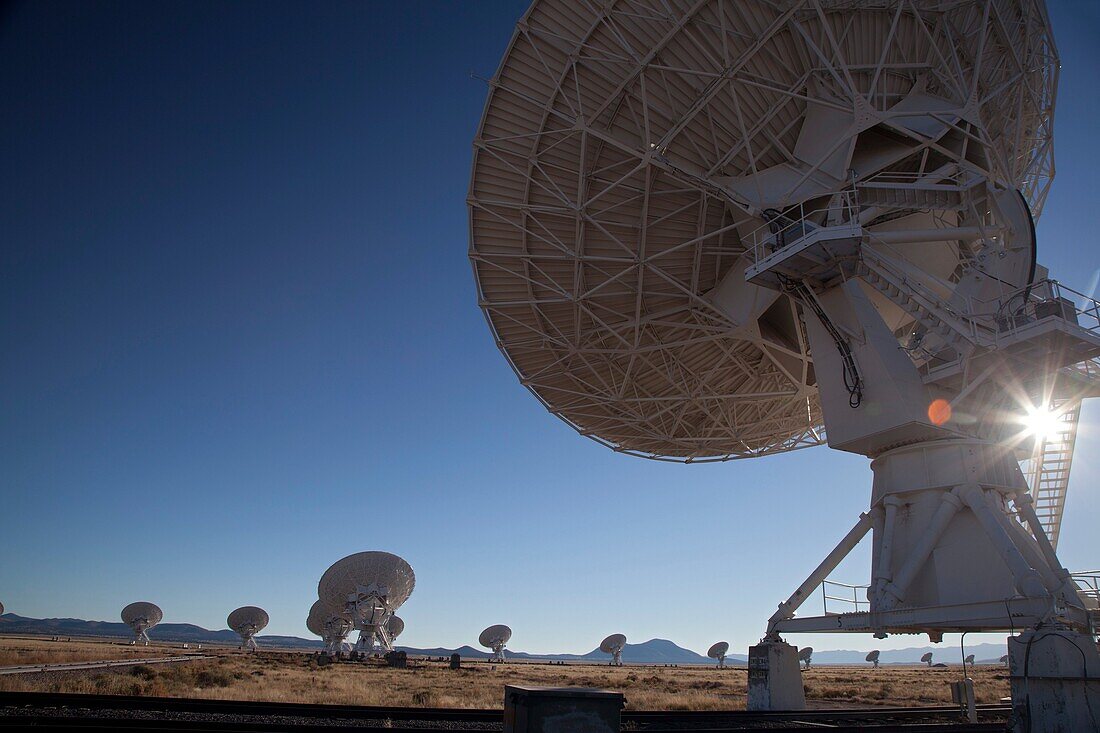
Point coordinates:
pixel 718 651
pixel 872 657
pixel 1 609
pixel 613 645
pixel 969 659
pixel 248 621
pixel 367 587
pixel 495 637
pixel 805 655
pixel 927 659
pixel 332 628
pixel 141 616
pixel 624 158
pixel 710 231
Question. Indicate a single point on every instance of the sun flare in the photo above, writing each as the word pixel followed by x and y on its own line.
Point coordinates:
pixel 1042 422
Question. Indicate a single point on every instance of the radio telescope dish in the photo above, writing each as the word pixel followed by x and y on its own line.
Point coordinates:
pixel 495 637
pixel 927 659
pixel 1004 660
pixel 1 609
pixel 332 628
pixel 248 621
pixel 140 617
pixel 709 232
pixel 718 651
pixel 805 655
pixel 395 626
pixel 872 657
pixel 613 645
pixel 969 660
pixel 367 587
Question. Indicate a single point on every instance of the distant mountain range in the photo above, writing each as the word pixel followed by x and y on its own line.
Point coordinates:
pixel 654 651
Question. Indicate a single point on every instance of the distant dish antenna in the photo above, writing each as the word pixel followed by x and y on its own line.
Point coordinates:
pixel 395 626
pixel 495 637
pixel 718 651
pixel 872 657
pixel 140 617
pixel 332 628
pixel 248 621
pixel 805 655
pixel 969 660
pixel 1004 660
pixel 367 587
pixel 1 609
pixel 927 659
pixel 613 645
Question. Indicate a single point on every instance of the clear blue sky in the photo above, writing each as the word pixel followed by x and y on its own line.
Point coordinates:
pixel 239 340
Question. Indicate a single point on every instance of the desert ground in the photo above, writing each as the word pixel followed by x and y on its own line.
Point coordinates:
pixel 295 677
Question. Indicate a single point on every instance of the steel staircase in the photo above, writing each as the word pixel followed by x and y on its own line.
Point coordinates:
pixel 925 307
pixel 1049 470
pixel 915 198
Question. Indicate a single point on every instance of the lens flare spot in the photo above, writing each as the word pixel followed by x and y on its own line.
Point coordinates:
pixel 939 411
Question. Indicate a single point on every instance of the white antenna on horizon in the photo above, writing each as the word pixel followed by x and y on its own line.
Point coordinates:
pixel 140 617
pixel 495 637
pixel 367 587
pixel 613 645
pixel 718 651
pixel 248 621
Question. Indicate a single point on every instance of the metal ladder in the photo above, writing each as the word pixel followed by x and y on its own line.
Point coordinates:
pixel 1048 473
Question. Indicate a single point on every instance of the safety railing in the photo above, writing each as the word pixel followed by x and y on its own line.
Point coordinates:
pixel 1088 585
pixel 791 226
pixel 1046 298
pixel 851 598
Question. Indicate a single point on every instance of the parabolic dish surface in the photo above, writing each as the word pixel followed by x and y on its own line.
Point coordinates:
pixel 497 633
pixel 613 642
pixel 365 571
pixel 718 650
pixel 395 626
pixel 315 620
pixel 628 150
pixel 247 619
pixel 142 610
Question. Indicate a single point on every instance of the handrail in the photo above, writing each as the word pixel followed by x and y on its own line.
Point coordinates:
pixel 854 602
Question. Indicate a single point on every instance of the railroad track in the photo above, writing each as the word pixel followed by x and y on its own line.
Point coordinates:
pixel 26 710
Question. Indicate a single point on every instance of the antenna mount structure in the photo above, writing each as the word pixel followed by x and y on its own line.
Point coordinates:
pixel 141 616
pixel 731 230
pixel 248 621
pixel 613 645
pixel 368 587
pixel 495 637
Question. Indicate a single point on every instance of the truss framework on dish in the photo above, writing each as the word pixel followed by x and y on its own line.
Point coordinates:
pixel 710 230
pixel 331 627
pixel 367 588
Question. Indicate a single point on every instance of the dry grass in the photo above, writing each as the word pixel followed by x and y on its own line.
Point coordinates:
pixel 20 651
pixel 295 677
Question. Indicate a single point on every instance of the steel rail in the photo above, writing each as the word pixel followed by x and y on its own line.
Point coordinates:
pixel 651 721
pixel 37 723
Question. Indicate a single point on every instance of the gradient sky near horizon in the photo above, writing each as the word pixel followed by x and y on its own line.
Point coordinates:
pixel 239 340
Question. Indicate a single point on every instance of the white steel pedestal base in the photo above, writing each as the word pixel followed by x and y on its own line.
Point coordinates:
pixel 1055 682
pixel 775 678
